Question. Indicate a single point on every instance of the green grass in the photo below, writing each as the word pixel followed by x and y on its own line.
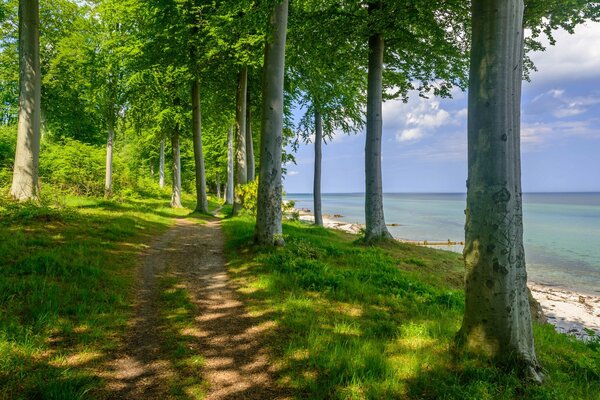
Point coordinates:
pixel 66 284
pixel 357 322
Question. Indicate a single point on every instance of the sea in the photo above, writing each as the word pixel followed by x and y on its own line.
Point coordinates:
pixel 561 230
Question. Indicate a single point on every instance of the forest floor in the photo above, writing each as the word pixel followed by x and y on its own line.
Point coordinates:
pixel 218 349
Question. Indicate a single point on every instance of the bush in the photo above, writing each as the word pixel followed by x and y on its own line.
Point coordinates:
pixel 74 167
pixel 8 139
pixel 248 195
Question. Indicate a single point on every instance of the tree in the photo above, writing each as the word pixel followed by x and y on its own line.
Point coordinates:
pixel 269 214
pixel 375 227
pixel 25 176
pixel 326 79
pixel 229 190
pixel 201 199
pixel 497 319
pixel 241 172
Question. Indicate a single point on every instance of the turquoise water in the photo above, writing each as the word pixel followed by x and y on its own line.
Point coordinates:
pixel 561 230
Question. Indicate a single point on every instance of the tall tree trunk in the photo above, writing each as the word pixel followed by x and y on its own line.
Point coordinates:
pixel 317 179
pixel 497 320
pixel 218 187
pixel 269 214
pixel 240 138
pixel 250 167
pixel 375 227
pixel 25 184
pixel 161 165
pixel 201 199
pixel 176 192
pixel 229 191
pixel 109 157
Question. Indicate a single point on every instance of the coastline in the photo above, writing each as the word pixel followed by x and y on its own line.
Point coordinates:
pixel 569 311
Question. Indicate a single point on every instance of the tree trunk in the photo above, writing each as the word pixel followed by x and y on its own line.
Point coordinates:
pixel 109 157
pixel 229 191
pixel 317 179
pixel 201 199
pixel 240 138
pixel 25 184
pixel 176 192
pixel 268 217
pixel 497 320
pixel 218 187
pixel 375 227
pixel 161 165
pixel 250 168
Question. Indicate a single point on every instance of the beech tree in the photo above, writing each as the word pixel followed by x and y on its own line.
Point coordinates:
pixel 269 214
pixel 326 79
pixel 25 174
pixel 497 319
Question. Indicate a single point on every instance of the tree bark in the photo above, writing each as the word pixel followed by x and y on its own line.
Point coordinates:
pixel 109 157
pixel 269 214
pixel 161 165
pixel 229 189
pixel 375 228
pixel 250 167
pixel 176 191
pixel 25 185
pixel 201 199
pixel 317 179
pixel 240 137
pixel 218 187
pixel 497 320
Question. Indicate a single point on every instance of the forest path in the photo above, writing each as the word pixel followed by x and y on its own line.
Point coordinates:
pixel 230 341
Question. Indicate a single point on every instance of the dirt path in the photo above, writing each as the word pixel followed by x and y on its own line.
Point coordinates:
pixel 236 364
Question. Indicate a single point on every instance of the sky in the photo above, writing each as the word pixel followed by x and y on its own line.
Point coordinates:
pixel 425 140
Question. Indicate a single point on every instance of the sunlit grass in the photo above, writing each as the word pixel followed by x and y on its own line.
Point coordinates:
pixel 67 273
pixel 357 322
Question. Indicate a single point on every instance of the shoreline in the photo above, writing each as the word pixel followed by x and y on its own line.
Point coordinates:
pixel 570 312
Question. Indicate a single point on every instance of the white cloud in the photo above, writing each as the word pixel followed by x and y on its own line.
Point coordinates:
pixel 574 57
pixel 292 173
pixel 560 105
pixel 409 134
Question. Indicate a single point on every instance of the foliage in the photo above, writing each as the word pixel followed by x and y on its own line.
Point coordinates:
pixel 248 194
pixel 74 167
pixel 357 322
pixel 8 135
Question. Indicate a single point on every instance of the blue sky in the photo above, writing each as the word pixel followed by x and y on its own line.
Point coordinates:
pixel 424 141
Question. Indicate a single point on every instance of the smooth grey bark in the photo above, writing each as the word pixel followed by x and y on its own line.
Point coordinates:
pixel 161 165
pixel 240 137
pixel 317 178
pixel 229 189
pixel 201 199
pixel 250 165
pixel 218 186
pixel 269 214
pixel 497 320
pixel 375 227
pixel 176 186
pixel 109 157
pixel 25 185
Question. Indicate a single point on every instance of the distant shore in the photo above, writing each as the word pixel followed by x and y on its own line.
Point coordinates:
pixel 570 312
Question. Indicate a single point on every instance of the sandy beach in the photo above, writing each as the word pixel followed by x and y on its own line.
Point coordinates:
pixel 570 312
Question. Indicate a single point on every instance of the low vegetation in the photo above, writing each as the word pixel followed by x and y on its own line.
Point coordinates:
pixel 67 272
pixel 358 322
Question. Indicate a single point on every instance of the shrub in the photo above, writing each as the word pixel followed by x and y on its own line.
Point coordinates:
pixel 248 195
pixel 74 167
pixel 8 139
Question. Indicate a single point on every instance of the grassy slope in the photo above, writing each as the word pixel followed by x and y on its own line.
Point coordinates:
pixel 66 286
pixel 355 322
